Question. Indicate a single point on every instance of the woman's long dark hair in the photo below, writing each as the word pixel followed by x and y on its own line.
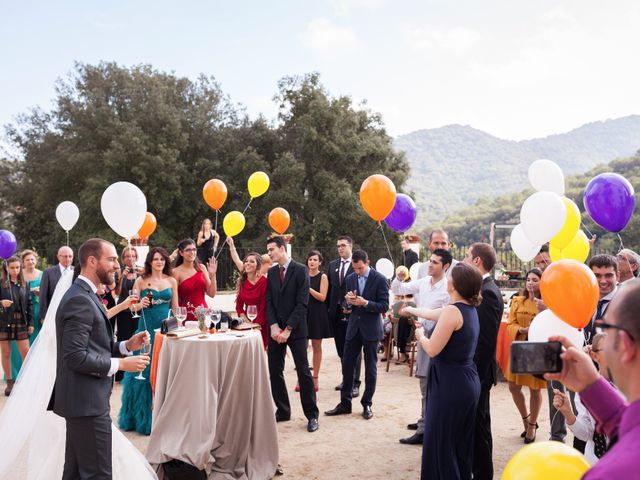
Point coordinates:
pixel 149 260
pixel 5 271
pixel 524 292
pixel 181 246
pixel 243 276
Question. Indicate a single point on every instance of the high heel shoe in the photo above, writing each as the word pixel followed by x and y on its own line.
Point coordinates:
pixel 528 440
pixel 524 434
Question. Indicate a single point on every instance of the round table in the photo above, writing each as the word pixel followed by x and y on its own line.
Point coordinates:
pixel 213 406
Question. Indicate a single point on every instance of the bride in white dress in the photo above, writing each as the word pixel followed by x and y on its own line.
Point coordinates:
pixel 32 439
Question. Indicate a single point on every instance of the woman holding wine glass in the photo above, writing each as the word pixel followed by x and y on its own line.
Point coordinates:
pixel 125 324
pixel 252 292
pixel 317 314
pixel 194 279
pixel 158 293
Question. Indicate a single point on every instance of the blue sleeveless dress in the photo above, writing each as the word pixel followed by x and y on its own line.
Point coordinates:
pixel 452 399
pixel 135 413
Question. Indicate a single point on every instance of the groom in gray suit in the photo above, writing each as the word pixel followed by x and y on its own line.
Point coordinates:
pixel 87 358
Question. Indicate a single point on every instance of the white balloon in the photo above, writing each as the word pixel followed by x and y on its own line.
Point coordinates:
pixel 545 175
pixel 385 267
pixel 546 324
pixel 67 214
pixel 124 207
pixel 542 216
pixel 521 245
pixel 413 271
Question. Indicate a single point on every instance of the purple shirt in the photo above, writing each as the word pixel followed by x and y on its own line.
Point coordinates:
pixel 614 417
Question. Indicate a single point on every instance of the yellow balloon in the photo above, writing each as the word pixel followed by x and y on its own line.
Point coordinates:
pixel 578 248
pixel 258 184
pixel 233 223
pixel 570 227
pixel 546 460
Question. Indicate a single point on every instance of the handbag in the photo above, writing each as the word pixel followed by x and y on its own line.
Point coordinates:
pixel 169 324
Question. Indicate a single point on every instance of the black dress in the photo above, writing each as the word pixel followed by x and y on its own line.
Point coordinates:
pixel 125 325
pixel 317 314
pixel 205 251
pixel 453 393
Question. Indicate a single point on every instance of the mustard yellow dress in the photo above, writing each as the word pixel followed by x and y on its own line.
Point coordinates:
pixel 520 315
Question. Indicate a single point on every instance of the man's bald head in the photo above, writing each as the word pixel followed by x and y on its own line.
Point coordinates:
pixel 65 256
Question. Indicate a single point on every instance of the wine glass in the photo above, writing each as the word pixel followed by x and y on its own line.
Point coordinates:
pixel 144 350
pixel 181 315
pixel 252 312
pixel 136 298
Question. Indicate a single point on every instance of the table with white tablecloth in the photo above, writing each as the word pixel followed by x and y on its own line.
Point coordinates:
pixel 213 406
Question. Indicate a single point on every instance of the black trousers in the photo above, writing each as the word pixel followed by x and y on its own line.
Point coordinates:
pixel 350 360
pixel 483 442
pixel 339 335
pixel 276 354
pixel 88 448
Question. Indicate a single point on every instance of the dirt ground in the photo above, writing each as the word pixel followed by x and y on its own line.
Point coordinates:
pixel 350 447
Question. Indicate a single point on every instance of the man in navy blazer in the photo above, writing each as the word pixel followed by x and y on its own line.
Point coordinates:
pixel 368 293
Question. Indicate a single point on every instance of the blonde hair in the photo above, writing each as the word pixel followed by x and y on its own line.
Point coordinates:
pixel 26 252
pixel 266 259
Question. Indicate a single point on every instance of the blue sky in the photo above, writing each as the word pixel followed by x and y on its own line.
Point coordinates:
pixel 514 68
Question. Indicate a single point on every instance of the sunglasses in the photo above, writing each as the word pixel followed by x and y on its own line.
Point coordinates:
pixel 604 326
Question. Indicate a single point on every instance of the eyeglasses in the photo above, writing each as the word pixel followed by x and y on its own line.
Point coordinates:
pixel 189 250
pixel 604 325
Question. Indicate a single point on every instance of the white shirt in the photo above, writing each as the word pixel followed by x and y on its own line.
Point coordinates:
pixel 115 362
pixel 583 429
pixel 425 294
pixel 64 269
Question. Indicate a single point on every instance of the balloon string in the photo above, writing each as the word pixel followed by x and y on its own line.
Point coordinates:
pixel 221 248
pixel 5 266
pixel 386 243
pixel 67 237
pixel 216 227
pixel 245 208
pixel 585 227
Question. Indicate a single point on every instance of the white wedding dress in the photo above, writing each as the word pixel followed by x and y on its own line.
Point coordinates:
pixel 32 439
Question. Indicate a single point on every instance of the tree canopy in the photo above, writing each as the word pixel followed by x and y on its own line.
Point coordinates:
pixel 169 135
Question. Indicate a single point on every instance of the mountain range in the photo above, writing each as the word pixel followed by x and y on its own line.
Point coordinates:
pixel 455 165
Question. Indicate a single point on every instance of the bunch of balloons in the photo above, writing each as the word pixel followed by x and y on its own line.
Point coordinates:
pixel 380 200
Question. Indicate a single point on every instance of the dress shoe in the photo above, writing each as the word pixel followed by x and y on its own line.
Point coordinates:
pixel 355 392
pixel 415 439
pixel 412 426
pixel 338 387
pixel 340 409
pixel 367 413
pixel 312 426
pixel 7 391
pixel 283 418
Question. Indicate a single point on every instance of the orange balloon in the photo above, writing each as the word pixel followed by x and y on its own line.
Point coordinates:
pixel 149 226
pixel 279 220
pixel 570 289
pixel 378 196
pixel 215 193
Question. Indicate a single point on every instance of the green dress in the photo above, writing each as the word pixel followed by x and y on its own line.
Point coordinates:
pixel 135 413
pixel 16 359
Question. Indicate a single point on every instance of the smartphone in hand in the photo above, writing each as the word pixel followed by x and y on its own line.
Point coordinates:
pixel 536 358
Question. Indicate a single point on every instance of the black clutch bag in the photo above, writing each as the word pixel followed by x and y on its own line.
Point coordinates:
pixel 169 324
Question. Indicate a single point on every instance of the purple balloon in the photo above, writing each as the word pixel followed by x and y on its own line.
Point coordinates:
pixel 7 244
pixel 403 214
pixel 610 201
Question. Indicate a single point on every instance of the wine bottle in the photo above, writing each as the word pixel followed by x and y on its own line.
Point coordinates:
pixel 149 294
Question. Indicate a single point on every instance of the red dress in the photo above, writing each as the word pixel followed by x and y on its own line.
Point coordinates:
pixel 192 291
pixel 251 294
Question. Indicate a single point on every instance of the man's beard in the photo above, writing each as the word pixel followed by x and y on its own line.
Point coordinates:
pixel 105 276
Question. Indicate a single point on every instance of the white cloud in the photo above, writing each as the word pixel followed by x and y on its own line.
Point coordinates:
pixel 327 38
pixel 439 40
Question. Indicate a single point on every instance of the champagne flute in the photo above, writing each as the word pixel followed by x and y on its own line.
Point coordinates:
pixel 144 350
pixel 134 301
pixel 181 315
pixel 252 312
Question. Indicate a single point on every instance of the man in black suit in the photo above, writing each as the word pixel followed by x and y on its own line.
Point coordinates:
pixel 339 269
pixel 483 256
pixel 287 299
pixel 368 295
pixel 51 276
pixel 87 358
pixel 409 257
